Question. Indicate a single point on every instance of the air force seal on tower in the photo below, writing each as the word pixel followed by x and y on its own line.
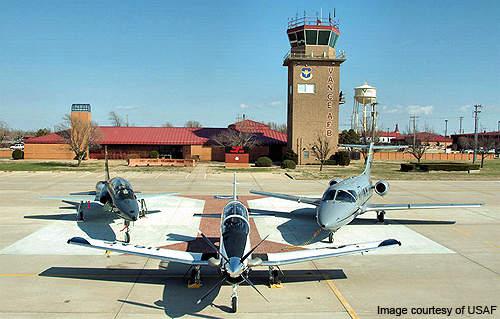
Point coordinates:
pixel 306 73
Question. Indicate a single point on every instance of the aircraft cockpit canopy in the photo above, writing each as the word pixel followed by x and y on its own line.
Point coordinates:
pixel 340 195
pixel 122 188
pixel 235 208
pixel 346 196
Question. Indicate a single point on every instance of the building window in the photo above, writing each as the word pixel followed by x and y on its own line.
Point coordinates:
pixel 306 88
pixel 323 37
pixel 311 37
pixel 306 154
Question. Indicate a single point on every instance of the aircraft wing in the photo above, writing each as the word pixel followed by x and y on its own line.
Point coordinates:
pixel 387 207
pixel 170 255
pixel 291 257
pixel 72 198
pixel 140 195
pixel 298 199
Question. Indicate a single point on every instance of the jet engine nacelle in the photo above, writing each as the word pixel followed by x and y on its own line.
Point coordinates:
pixel 101 192
pixel 335 181
pixel 381 187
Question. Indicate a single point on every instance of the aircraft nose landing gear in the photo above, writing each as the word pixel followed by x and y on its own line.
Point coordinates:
pixel 234 298
pixel 126 236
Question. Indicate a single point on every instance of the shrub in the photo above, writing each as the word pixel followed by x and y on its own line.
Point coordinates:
pixel 154 154
pixel 288 164
pixel 291 155
pixel 17 154
pixel 263 161
pixel 342 158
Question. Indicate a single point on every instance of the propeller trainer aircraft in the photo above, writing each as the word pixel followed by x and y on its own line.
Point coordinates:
pixel 234 257
pixel 345 199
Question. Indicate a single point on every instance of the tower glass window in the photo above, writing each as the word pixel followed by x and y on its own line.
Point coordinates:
pixel 311 37
pixel 323 37
pixel 300 38
pixel 306 88
pixel 333 39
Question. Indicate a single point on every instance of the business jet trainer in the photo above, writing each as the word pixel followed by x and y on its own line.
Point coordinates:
pixel 345 199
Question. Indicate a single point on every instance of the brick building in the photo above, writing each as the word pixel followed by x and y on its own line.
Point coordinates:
pixel 172 142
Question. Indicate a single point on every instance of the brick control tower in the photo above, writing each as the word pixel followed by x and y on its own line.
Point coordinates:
pixel 313 84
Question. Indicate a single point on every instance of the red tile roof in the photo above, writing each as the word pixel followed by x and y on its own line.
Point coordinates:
pixel 389 134
pixel 112 135
pixel 425 137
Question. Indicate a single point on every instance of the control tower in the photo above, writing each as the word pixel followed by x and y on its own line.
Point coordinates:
pixel 313 84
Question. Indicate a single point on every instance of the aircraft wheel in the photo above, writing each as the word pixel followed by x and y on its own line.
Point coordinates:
pixel 234 303
pixel 330 238
pixel 381 216
pixel 127 237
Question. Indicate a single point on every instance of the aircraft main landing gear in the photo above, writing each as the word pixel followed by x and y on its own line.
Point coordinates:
pixel 195 278
pixel 274 277
pixel 330 238
pixel 80 217
pixel 234 298
pixel 381 216
pixel 144 210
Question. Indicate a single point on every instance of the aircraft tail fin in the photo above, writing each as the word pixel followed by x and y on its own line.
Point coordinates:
pixel 235 196
pixel 106 164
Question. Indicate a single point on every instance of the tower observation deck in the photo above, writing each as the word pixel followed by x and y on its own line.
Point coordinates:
pixel 313 38
pixel 313 84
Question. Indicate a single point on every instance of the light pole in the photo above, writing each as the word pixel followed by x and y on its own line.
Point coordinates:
pixel 445 128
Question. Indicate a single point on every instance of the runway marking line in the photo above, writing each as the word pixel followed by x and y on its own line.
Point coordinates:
pixel 338 294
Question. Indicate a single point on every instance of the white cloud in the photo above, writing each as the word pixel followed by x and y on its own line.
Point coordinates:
pixel 244 106
pixel 275 103
pixel 391 110
pixel 420 109
pixel 127 107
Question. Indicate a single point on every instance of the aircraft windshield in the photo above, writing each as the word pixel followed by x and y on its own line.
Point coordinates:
pixel 329 194
pixel 235 224
pixel 122 188
pixel 344 196
pixel 235 208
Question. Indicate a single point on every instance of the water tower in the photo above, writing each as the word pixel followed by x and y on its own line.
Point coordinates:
pixel 364 96
pixel 313 83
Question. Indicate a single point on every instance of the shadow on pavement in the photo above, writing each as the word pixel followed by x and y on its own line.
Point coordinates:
pixel 177 299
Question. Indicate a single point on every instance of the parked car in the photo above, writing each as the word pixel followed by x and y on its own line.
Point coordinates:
pixel 17 146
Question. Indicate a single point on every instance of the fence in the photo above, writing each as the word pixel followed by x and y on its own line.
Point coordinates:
pixel 403 156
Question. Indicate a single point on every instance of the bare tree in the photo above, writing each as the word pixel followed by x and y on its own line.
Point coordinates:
pixel 79 135
pixel 485 144
pixel 4 131
pixel 117 120
pixel 321 149
pixel 232 137
pixel 464 143
pixel 167 124
pixel 192 123
pixel 277 126
pixel 417 147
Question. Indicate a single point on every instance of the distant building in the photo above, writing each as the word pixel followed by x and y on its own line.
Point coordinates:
pixel 387 137
pixel 435 141
pixel 494 136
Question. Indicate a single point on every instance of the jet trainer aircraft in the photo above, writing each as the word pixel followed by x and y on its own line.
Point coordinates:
pixel 234 258
pixel 345 199
pixel 116 195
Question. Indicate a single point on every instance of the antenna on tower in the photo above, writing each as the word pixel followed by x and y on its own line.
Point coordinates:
pixel 334 13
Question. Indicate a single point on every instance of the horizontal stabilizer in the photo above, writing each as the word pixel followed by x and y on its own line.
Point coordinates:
pixel 84 193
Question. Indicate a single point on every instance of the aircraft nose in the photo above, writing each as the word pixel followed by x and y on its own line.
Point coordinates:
pixel 129 209
pixel 234 267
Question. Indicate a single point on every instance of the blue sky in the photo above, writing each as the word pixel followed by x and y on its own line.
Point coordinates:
pixel 211 61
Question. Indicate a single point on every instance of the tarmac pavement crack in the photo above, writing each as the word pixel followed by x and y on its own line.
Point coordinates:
pixel 131 288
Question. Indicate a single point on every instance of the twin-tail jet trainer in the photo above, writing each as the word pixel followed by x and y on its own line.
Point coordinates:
pixel 117 197
pixel 234 257
pixel 345 199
